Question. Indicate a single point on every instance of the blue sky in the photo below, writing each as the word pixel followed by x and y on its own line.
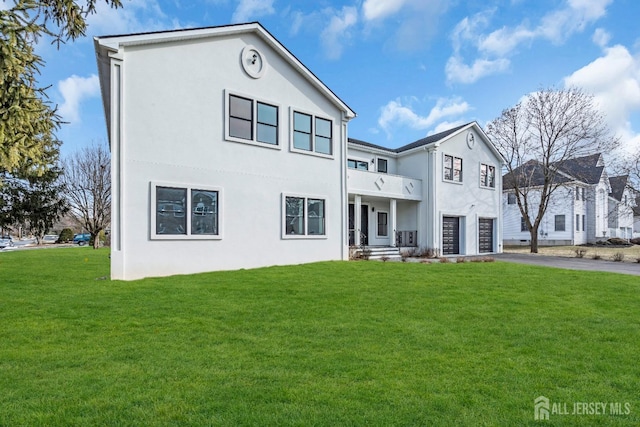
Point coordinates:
pixel 408 68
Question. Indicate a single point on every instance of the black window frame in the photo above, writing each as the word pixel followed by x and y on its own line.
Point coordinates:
pixel 379 167
pixel 450 176
pixel 315 134
pixel 256 121
pixel 560 226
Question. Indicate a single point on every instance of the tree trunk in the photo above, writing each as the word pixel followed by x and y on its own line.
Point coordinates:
pixel 534 240
pixel 96 240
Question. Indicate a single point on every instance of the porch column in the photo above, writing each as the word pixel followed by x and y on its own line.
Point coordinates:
pixel 357 218
pixel 392 220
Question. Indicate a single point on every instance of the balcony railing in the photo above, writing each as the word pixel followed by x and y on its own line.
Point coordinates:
pixel 407 238
pixel 383 185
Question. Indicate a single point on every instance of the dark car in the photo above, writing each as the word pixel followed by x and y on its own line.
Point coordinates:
pixel 82 238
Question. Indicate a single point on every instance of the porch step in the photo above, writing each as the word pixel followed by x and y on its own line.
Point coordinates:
pixel 379 252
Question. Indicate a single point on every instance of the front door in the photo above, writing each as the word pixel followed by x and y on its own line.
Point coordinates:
pixel 450 235
pixel 485 235
pixel 364 225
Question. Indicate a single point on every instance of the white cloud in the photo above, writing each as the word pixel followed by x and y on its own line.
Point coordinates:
pixel 459 72
pixel 249 10
pixel 74 90
pixel 601 37
pixel 380 9
pixel 614 81
pixel 395 114
pixel 134 17
pixel 337 32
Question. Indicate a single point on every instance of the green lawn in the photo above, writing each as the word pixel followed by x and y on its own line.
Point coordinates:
pixel 338 343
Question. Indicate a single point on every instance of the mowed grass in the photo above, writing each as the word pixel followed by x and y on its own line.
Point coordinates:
pixel 336 343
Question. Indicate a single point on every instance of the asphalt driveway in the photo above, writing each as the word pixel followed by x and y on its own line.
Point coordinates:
pixel 584 264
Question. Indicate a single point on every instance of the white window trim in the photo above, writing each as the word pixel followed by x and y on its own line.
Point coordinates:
pixel 359 159
pixel 254 122
pixel 283 221
pixel 486 187
pixel 451 181
pixel 188 236
pixel 376 165
pixel 388 225
pixel 312 152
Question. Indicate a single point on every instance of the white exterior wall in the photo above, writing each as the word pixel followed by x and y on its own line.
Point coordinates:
pixel 174 103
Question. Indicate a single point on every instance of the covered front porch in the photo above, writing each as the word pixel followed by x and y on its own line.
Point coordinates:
pixel 381 222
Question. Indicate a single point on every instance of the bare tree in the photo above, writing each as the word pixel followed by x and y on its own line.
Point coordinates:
pixel 87 177
pixel 537 136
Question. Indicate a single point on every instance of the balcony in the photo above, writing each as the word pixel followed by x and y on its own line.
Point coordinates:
pixel 385 185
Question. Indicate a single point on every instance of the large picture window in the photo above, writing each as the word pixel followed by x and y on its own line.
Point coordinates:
pixel 304 216
pixel 313 134
pixel 252 121
pixel 185 212
pixel 452 168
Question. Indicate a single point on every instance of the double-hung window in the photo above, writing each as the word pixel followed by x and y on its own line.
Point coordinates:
pixel 511 198
pixel 383 224
pixel 304 216
pixel 487 176
pixel 180 212
pixel 452 168
pixel 252 121
pixel 559 223
pixel 357 164
pixel 382 165
pixel 311 133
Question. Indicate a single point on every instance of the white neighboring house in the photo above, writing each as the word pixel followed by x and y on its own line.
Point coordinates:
pixel 585 208
pixel 227 153
pixel 442 192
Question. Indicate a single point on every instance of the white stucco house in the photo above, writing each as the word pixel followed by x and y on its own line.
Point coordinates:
pixel 228 153
pixel 442 192
pixel 588 206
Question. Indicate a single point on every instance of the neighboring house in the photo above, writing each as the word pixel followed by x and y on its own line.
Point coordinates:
pixel 228 153
pixel 636 214
pixel 441 192
pixel 587 206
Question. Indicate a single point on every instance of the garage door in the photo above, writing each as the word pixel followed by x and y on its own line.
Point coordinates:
pixel 450 235
pixel 485 237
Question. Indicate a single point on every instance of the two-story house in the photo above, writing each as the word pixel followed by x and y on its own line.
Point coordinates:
pixel 228 153
pixel 441 192
pixel 587 205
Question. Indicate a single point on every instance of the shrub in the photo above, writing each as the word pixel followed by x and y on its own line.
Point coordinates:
pixel 596 256
pixel 488 259
pixel 444 260
pixel 66 235
pixel 580 252
pixel 617 241
pixel 618 257
pixel 384 258
pixel 635 241
pixel 461 259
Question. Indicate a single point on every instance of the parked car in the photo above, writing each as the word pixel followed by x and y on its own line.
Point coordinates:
pixel 6 242
pixel 50 238
pixel 82 238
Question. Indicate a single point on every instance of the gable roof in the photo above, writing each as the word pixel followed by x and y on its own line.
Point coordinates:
pixel 586 169
pixel 618 185
pixel 429 140
pixel 106 46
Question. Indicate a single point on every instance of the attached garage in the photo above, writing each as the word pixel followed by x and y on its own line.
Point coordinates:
pixel 485 235
pixel 450 235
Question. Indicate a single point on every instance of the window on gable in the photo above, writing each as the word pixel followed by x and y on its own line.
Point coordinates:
pixel 185 212
pixel 487 176
pixel 312 134
pixel 304 216
pixel 452 168
pixel 253 121
pixel 559 223
pixel 382 166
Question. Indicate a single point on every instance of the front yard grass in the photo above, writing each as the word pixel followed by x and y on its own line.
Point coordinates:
pixel 334 343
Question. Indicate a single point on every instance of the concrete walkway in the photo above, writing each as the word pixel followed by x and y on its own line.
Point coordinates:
pixel 584 264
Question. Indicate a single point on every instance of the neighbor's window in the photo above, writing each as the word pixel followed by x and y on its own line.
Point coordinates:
pixel 452 168
pixel 583 223
pixel 243 110
pixel 577 222
pixel 559 223
pixel 511 198
pixel 357 164
pixel 487 176
pixel 304 216
pixel 185 212
pixel 312 134
pixel 577 193
pixel 383 224
pixel 523 224
pixel 382 165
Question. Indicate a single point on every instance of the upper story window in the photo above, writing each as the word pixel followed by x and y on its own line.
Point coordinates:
pixel 487 176
pixel 312 133
pixel 252 121
pixel 185 212
pixel 452 168
pixel 511 198
pixel 383 166
pixel 357 164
